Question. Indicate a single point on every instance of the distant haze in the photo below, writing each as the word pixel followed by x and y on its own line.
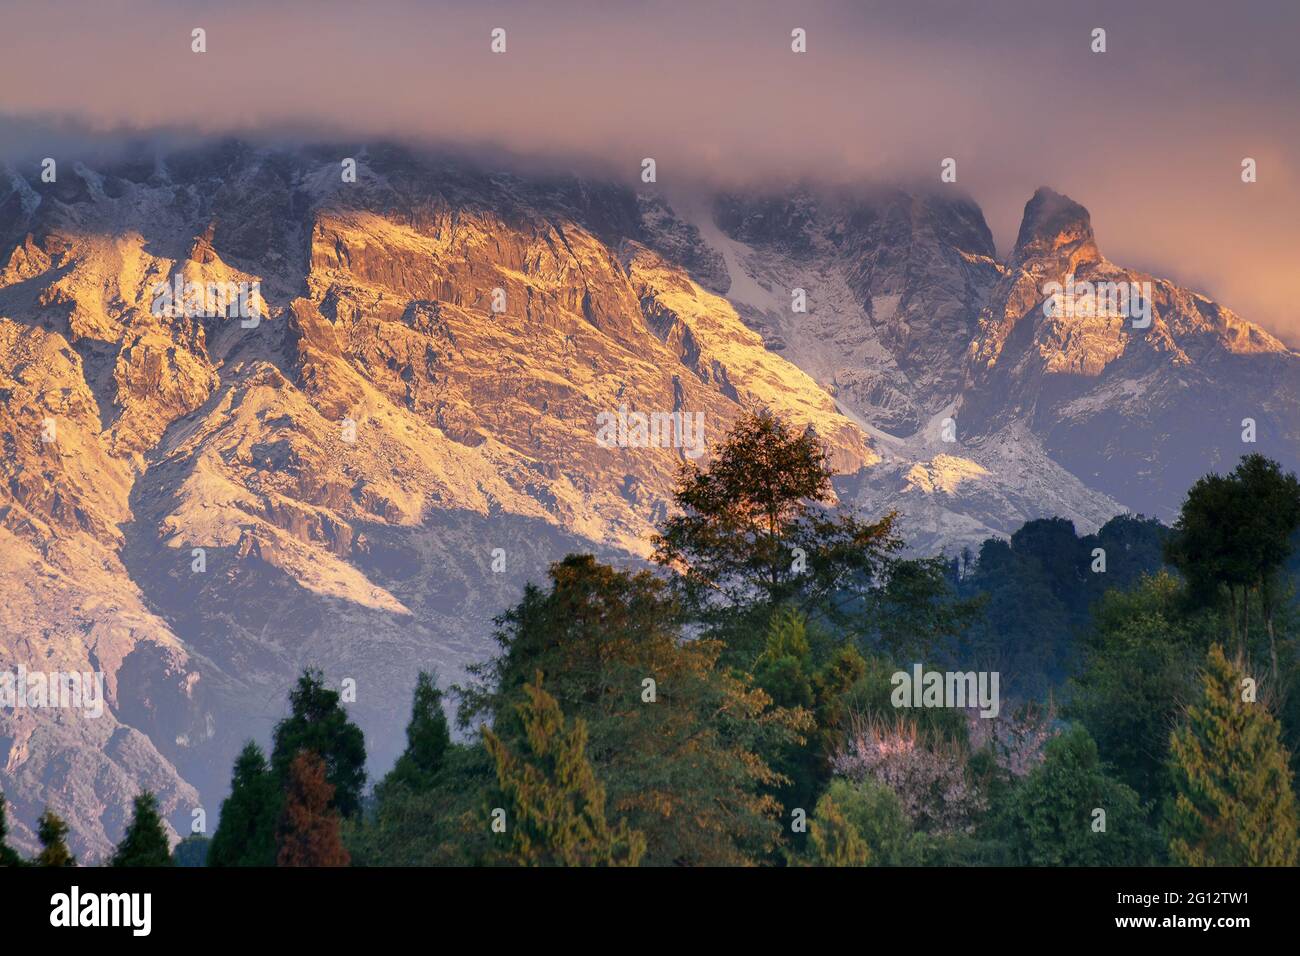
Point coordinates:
pixel 1149 135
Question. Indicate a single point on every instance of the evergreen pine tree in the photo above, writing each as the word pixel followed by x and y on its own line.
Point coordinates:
pixel 317 722
pixel 309 833
pixel 53 832
pixel 1234 803
pixel 191 851
pixel 145 841
pixel 835 841
pixel 555 806
pixel 427 739
pixel 8 856
pixel 246 833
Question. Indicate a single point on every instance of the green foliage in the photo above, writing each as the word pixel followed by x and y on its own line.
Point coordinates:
pixel 754 529
pixel 53 834
pixel 876 814
pixel 191 851
pixel 440 826
pixel 145 841
pixel 1051 820
pixel 685 768
pixel 8 856
pixel 1141 656
pixel 246 834
pixel 1234 804
pixel 1038 589
pixel 1232 539
pixel 915 612
pixel 427 809
pixel 428 740
pixel 554 805
pixel 317 722
pixel 782 668
pixel 835 841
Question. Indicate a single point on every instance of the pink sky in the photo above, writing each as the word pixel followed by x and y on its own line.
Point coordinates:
pixel 1149 135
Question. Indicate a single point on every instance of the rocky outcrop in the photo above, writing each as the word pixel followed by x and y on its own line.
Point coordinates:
pixel 357 475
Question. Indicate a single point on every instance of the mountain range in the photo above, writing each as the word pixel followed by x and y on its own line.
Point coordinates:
pixel 361 472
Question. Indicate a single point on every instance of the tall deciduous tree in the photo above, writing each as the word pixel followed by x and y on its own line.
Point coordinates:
pixel 145 841
pixel 1233 536
pixel 309 830
pixel 756 525
pixel 1234 804
pixel 554 805
pixel 676 738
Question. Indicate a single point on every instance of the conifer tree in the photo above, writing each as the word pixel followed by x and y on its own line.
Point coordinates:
pixel 428 739
pixel 309 833
pixel 1234 803
pixel 8 856
pixel 246 833
pixel 53 834
pixel 835 841
pixel 555 806
pixel 318 722
pixel 145 841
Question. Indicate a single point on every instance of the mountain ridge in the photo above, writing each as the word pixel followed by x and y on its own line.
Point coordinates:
pixel 351 463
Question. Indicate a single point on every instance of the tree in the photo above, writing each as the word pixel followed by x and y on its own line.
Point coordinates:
pixel 318 723
pixel 8 856
pixel 428 740
pixel 554 805
pixel 1234 535
pixel 308 833
pixel 1234 803
pixel 876 814
pixel 191 851
pixel 246 834
pixel 439 826
pixel 676 738
pixel 1141 655
pixel 755 527
pixel 53 833
pixel 835 841
pixel 1057 814
pixel 145 841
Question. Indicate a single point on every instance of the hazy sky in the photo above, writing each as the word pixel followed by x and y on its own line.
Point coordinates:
pixel 1149 135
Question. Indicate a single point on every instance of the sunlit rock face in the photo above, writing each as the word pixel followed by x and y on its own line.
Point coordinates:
pixel 357 472
pixel 914 321
pixel 434 380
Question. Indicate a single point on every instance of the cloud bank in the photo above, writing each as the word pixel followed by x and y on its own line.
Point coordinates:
pixel 1149 135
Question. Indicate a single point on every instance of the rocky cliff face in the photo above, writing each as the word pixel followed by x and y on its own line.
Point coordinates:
pixel 987 411
pixel 401 422
pixel 358 475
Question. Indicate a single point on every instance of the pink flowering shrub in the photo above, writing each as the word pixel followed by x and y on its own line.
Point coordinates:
pixel 929 776
pixel 1017 737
